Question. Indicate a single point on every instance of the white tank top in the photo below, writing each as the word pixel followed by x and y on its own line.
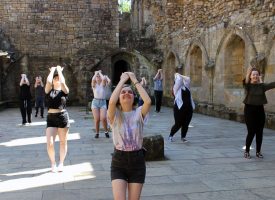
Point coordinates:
pixel 99 91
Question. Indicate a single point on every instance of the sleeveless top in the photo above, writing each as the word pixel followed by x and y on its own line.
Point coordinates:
pixel 57 99
pixel 99 91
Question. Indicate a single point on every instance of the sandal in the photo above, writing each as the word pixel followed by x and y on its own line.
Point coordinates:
pixel 247 155
pixel 259 155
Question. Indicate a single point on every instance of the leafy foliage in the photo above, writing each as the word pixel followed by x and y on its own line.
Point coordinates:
pixel 124 5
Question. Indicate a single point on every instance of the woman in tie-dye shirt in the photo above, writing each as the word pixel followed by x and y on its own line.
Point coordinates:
pixel 128 164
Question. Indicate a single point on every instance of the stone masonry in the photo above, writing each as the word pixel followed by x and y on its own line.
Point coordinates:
pixel 214 42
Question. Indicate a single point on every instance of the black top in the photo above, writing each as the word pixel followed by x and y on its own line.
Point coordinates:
pixel 57 99
pixel 39 91
pixel 255 93
pixel 25 92
pixel 186 98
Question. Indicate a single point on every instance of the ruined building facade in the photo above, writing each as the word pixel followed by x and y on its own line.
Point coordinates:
pixel 212 41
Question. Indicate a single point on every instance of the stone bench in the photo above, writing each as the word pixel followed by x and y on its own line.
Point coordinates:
pixel 154 146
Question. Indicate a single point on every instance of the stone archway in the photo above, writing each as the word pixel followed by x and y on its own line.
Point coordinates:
pixel 119 67
pixel 270 76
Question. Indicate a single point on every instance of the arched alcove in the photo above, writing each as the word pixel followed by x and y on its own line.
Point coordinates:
pixel 169 73
pixel 234 60
pixel 270 77
pixel 119 67
pixel 196 66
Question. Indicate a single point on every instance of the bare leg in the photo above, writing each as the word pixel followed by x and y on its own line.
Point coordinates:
pixel 63 135
pixel 103 118
pixel 51 135
pixel 119 189
pixel 134 191
pixel 96 114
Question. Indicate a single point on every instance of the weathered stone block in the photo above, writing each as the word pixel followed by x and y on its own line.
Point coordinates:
pixel 154 146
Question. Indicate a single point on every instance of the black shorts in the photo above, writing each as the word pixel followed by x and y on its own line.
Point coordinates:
pixel 129 166
pixel 58 120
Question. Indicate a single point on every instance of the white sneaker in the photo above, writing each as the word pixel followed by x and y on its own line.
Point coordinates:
pixel 170 139
pixel 184 140
pixel 60 167
pixel 54 168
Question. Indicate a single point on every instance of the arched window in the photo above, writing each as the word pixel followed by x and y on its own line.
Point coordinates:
pixel 234 59
pixel 196 66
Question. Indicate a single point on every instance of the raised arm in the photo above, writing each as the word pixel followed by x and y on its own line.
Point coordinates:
pixel 247 77
pixel 108 80
pixel 41 82
pixel 115 96
pixel 178 83
pixel 157 75
pixel 161 74
pixel 22 79
pixel 36 82
pixel 143 94
pixel 49 82
pixel 64 87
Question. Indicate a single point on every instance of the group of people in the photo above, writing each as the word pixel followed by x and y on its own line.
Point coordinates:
pixel 127 120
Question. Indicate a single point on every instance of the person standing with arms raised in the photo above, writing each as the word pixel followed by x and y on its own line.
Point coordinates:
pixel 25 99
pixel 39 96
pixel 99 108
pixel 128 164
pixel 254 113
pixel 158 89
pixel 58 117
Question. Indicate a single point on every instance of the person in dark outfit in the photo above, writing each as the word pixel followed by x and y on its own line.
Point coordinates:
pixel 183 106
pixel 39 96
pixel 158 89
pixel 58 118
pixel 254 113
pixel 25 99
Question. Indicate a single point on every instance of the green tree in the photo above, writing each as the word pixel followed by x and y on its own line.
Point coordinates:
pixel 124 5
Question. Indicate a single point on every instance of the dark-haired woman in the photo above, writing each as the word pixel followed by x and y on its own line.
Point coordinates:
pixel 57 118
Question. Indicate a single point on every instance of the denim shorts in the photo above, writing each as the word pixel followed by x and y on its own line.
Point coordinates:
pixel 58 120
pixel 99 103
pixel 129 166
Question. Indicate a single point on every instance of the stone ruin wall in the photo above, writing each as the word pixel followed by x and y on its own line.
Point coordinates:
pixel 214 42
pixel 47 32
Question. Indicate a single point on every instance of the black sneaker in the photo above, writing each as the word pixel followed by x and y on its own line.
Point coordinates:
pixel 35 115
pixel 107 135
pixel 259 155
pixel 97 135
pixel 247 155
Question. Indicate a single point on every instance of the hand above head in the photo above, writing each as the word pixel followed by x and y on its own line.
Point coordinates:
pixel 52 69
pixel 132 76
pixel 124 76
pixel 59 68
